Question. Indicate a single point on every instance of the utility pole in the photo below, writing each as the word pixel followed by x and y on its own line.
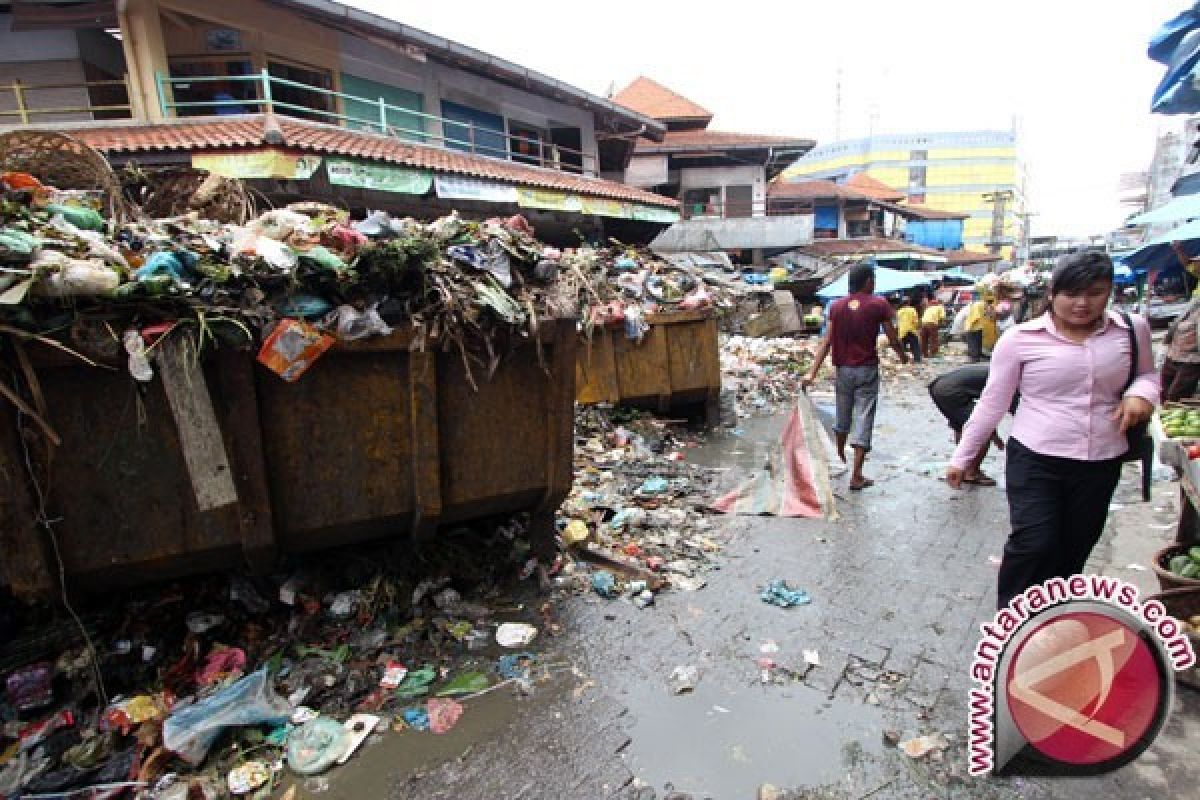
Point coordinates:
pixel 1023 252
pixel 999 201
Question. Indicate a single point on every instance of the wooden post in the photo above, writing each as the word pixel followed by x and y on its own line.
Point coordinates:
pixel 426 453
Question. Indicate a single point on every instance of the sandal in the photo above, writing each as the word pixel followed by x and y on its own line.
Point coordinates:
pixel 980 480
pixel 867 482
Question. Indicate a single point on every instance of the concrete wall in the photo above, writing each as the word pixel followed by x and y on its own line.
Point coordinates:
pixel 40 57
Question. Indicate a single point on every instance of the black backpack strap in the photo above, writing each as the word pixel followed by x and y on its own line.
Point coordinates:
pixel 1133 351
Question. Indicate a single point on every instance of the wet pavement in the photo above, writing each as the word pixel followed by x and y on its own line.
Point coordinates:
pixel 899 586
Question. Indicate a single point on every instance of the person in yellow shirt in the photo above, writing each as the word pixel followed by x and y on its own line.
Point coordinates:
pixel 907 327
pixel 931 324
pixel 980 327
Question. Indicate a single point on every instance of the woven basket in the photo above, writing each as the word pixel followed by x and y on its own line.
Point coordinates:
pixel 175 191
pixel 57 160
pixel 1180 603
pixel 1166 578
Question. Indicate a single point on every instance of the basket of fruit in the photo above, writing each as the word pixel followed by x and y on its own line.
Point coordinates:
pixel 1179 422
pixel 1178 567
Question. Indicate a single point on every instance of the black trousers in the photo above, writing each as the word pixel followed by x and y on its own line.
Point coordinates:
pixel 913 344
pixel 1057 508
pixel 974 346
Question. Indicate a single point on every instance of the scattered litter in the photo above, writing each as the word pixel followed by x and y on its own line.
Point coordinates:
pixel 683 679
pixel 247 777
pixel 515 634
pixel 359 727
pixel 812 658
pixel 778 593
pixel 604 584
pixel 923 745
pixel 316 746
pixel 443 714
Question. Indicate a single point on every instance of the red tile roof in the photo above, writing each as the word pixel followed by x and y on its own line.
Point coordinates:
pixel 223 133
pixel 651 98
pixel 813 190
pixel 835 248
pixel 676 141
pixel 925 212
pixel 962 258
pixel 873 188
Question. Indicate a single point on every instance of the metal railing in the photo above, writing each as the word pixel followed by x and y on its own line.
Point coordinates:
pixel 27 109
pixel 479 140
pixel 741 210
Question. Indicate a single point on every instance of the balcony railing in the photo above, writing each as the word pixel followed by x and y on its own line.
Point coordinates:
pixel 739 210
pixel 463 136
pixel 28 111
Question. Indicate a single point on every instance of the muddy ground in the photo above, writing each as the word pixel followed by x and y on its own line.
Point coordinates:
pixel 899 585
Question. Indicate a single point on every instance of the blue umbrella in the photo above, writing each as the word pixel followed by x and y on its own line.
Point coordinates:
pixel 1161 251
pixel 886 282
pixel 1177 44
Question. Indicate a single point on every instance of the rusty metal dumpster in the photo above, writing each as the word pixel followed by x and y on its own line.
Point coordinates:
pixel 676 365
pixel 376 440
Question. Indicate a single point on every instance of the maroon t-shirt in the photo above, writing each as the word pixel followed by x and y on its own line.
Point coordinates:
pixel 856 319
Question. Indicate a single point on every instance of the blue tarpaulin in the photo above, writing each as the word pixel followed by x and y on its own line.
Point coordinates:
pixel 886 282
pixel 1179 209
pixel 1177 44
pixel 1158 253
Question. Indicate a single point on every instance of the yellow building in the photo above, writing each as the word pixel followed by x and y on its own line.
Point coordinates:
pixel 945 171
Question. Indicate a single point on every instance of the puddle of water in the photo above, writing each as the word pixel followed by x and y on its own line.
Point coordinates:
pixel 721 742
pixel 373 770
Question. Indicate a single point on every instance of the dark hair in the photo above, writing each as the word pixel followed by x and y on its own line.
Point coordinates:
pixel 1076 271
pixel 859 277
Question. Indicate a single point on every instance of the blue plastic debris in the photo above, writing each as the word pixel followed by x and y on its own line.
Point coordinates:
pixel 416 718
pixel 654 485
pixel 604 584
pixel 516 665
pixel 177 265
pixel 778 593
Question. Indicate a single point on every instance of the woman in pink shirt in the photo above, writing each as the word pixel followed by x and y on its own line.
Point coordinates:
pixel 1072 367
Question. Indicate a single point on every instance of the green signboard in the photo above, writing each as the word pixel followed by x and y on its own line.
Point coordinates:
pixel 378 177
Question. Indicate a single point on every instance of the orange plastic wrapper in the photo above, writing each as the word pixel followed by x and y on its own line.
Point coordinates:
pixel 292 348
pixel 20 180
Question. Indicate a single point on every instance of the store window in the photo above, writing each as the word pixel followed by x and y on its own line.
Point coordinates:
pixel 704 202
pixel 474 130
pixel 403 107
pixel 525 143
pixel 296 101
pixel 217 90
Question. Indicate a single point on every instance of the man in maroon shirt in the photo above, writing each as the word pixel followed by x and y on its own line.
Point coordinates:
pixel 852 332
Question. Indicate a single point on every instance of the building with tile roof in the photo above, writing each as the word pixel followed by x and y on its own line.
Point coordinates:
pixel 316 98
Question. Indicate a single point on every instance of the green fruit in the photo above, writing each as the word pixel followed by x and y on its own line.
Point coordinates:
pixel 1194 553
pixel 1177 564
pixel 1190 571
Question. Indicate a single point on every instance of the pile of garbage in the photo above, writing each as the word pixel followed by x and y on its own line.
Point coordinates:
pixel 235 686
pixel 763 375
pixel 618 286
pixel 637 519
pixel 296 278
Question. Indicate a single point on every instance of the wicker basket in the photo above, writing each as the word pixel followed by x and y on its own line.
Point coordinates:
pixel 1182 604
pixel 1166 578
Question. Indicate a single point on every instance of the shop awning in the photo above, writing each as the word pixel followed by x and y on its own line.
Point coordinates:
pixel 1177 210
pixel 886 282
pixel 1167 250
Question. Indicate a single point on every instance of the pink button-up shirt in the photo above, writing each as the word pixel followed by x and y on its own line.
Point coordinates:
pixel 1069 390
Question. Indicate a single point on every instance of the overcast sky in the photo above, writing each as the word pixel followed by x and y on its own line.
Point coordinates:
pixel 1073 75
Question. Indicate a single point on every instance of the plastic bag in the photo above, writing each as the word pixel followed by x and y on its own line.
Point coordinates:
pixel 76 278
pixel 316 746
pixel 139 365
pixel 351 324
pixel 190 732
pixel 321 257
pixel 280 223
pixel 635 323
pixel 177 265
pixel 305 306
pixel 86 219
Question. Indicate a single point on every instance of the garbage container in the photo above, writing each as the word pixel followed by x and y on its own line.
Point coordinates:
pixel 234 465
pixel 676 365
